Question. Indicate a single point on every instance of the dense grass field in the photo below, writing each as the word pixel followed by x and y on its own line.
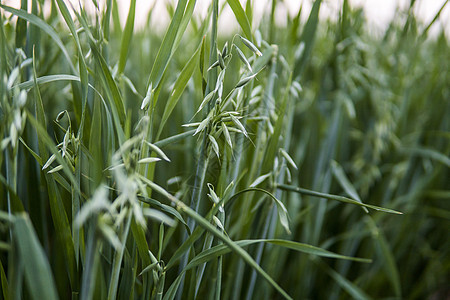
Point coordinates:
pixel 309 161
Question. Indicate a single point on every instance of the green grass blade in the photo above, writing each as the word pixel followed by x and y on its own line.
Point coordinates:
pixel 81 61
pixel 351 288
pixel 21 27
pixel 339 174
pixel 35 20
pixel 117 262
pixel 126 37
pixel 273 146
pixel 385 251
pixel 172 291
pixel 429 153
pixel 241 17
pixel 16 203
pixel 4 282
pixel 57 209
pixel 184 23
pixel 165 51
pixel 178 89
pixel 46 79
pixel 213 230
pixel 37 270
pixel 115 99
pixel 175 138
pixel 308 37
pixel 334 197
pixel 223 249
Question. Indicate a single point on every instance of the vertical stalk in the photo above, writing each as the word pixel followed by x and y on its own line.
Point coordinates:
pixel 272 24
pixel 206 245
pixel 112 293
pixel 271 219
pixel 203 159
pixel 11 177
pixel 160 288
pixel 90 270
pixel 268 95
pixel 203 162
pixel 221 217
pixel 259 251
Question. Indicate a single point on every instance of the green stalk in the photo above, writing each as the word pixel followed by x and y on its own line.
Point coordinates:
pixel 203 162
pixel 206 245
pixel 91 265
pixel 204 156
pixel 11 178
pixel 160 287
pixel 255 167
pixel 221 217
pixel 117 263
pixel 271 219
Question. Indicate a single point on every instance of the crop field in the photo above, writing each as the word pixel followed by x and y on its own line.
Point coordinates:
pixel 308 160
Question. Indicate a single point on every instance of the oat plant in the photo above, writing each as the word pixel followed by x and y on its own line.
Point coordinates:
pixel 302 161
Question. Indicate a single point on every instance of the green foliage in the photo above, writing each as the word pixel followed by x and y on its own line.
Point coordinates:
pixel 195 165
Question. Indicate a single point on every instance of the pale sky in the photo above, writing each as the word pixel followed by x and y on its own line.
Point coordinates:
pixel 378 12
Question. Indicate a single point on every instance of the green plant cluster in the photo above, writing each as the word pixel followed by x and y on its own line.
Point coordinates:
pixel 305 161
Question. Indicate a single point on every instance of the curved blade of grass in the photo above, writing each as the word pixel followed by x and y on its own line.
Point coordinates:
pixel 339 174
pixel 214 210
pixel 168 209
pixel 46 79
pixel 223 249
pixel 232 245
pixel 281 209
pixel 37 270
pixel 334 197
pixel 429 153
pixel 241 17
pixel 35 20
